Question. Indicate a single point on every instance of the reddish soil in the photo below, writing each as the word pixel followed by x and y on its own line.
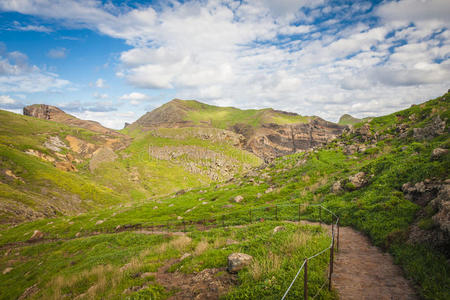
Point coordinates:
pixel 207 284
pixel 362 271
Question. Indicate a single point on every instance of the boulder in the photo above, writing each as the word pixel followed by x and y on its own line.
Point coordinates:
pixel 65 166
pixel 337 187
pixel 438 153
pixel 238 199
pixel 269 190
pixel 435 128
pixel 358 180
pixel 237 261
pixel 37 235
pixel 278 229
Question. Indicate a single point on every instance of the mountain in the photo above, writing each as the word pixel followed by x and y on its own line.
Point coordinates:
pixel 386 178
pixel 267 133
pixel 347 119
pixel 53 113
pixel 54 164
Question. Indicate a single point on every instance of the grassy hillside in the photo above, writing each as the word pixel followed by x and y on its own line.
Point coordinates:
pixel 32 187
pixel 76 251
pixel 198 113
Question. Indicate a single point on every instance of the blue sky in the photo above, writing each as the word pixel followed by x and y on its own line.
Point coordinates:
pixel 112 61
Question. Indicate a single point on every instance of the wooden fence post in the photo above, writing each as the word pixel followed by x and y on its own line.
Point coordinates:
pixel 337 245
pixel 331 263
pixel 305 281
pixel 320 215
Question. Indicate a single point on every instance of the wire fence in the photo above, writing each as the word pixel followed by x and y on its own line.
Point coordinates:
pixel 277 212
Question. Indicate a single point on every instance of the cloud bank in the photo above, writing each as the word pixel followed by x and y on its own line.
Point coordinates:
pixel 312 57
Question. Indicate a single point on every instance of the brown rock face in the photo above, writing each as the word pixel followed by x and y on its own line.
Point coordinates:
pixel 52 113
pixel 272 140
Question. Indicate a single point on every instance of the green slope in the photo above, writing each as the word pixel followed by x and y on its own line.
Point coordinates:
pixel 198 113
pixel 379 209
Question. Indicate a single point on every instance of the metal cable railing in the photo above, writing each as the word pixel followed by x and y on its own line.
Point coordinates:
pixel 305 262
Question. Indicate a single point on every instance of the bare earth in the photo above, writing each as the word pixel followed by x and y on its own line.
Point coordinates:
pixel 362 271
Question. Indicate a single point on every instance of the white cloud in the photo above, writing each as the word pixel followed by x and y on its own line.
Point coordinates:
pixel 135 98
pixel 8 103
pixel 248 54
pixel 100 96
pixel 57 53
pixel 17 75
pixel 37 28
pixel 100 83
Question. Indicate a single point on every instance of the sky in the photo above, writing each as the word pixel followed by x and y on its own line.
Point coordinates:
pixel 112 61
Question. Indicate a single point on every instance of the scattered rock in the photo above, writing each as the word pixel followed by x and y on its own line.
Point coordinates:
pixel 237 261
pixel 259 195
pixel 269 190
pixel 184 256
pixel 180 192
pixel 228 206
pixel 238 198
pixel 231 242
pixel 155 207
pixel 37 235
pixel 10 174
pixel 438 153
pixel 29 292
pixel 204 202
pixel 147 274
pixel 179 218
pixel 55 144
pixel 40 155
pixel 77 234
pixel 65 166
pixel 435 128
pixel 118 227
pixel 170 205
pixel 337 187
pixel 99 222
pixel 358 180
pixel 7 270
pixel 278 229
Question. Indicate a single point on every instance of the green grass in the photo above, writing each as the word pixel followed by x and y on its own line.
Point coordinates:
pixel 379 209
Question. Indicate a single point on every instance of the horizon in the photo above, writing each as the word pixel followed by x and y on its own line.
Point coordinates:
pixel 113 61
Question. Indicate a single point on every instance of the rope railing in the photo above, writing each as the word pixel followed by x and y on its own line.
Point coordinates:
pixel 305 262
pixel 220 220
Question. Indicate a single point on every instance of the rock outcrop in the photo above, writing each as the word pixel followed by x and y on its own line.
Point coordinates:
pixel 266 139
pixel 53 113
pixel 272 140
pixel 434 197
pixel 237 261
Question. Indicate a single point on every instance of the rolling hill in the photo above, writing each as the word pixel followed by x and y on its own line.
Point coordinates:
pixel 386 177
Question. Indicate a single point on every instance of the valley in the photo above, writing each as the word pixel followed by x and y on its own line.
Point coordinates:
pixel 147 211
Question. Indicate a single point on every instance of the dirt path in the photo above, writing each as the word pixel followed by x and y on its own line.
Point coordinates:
pixel 363 271
pixel 207 284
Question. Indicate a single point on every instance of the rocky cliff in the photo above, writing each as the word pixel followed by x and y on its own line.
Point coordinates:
pixel 110 137
pixel 273 140
pixel 267 133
